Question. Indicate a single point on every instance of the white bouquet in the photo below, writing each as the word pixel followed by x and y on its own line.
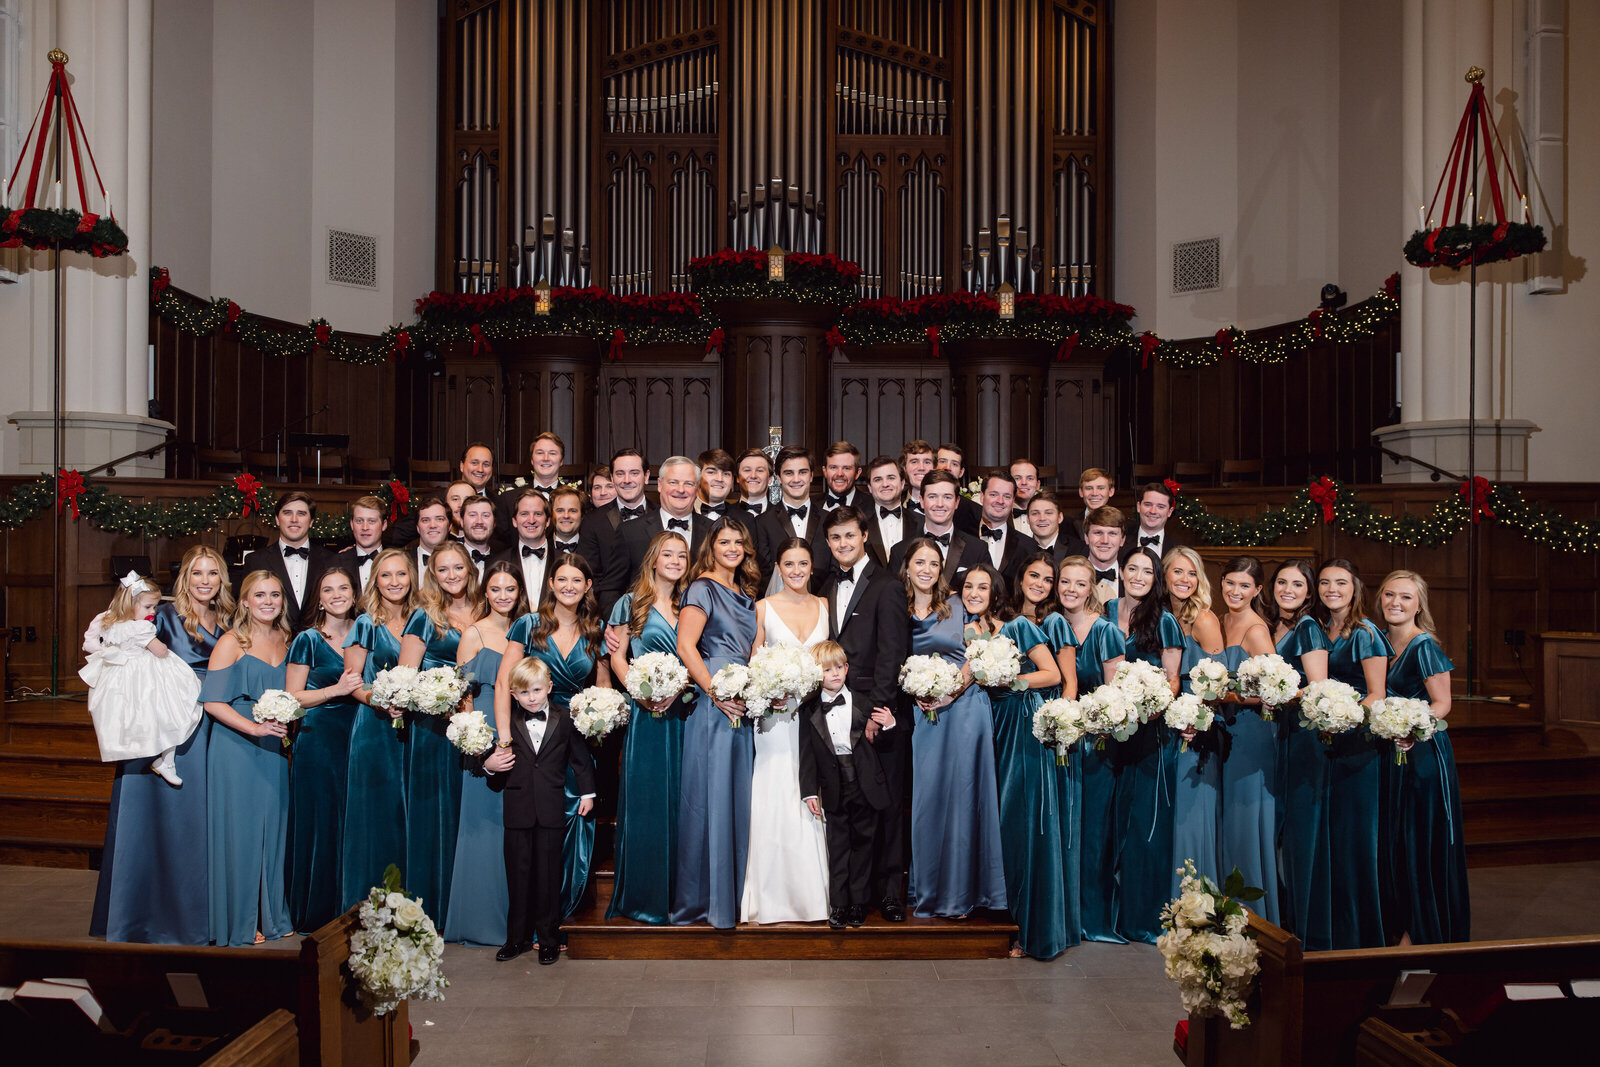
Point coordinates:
pixel 656 675
pixel 1207 945
pixel 1059 724
pixel 1108 710
pixel 780 677
pixel 1209 679
pixel 438 691
pixel 1397 718
pixel 1330 707
pixel 1146 686
pixel 397 952
pixel 730 683
pixel 1188 712
pixel 597 711
pixel 277 706
pixel 995 661
pixel 470 732
pixel 1269 678
pixel 929 678
pixel 391 688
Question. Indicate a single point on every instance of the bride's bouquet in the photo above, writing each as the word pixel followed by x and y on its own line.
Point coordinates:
pixel 1107 710
pixel 780 677
pixel 1330 707
pixel 1188 712
pixel 275 705
pixel 1209 679
pixel 729 684
pixel 995 661
pixel 1269 678
pixel 470 732
pixel 1146 687
pixel 438 691
pixel 655 676
pixel 1059 723
pixel 597 711
pixel 929 678
pixel 391 688
pixel 1397 718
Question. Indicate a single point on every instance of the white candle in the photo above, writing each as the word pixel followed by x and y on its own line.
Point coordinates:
pixel 1422 217
pixel 1525 215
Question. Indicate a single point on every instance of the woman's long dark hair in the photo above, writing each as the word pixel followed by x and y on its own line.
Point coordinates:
pixel 1269 606
pixel 1251 566
pixel 941 586
pixel 999 606
pixel 503 566
pixel 1019 599
pixel 749 574
pixel 591 627
pixel 1145 626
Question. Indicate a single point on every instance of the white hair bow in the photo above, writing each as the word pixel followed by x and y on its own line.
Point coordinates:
pixel 133 583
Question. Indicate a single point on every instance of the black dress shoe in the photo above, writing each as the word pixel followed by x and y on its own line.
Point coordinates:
pixel 509 951
pixel 548 954
pixel 892 911
pixel 856 915
pixel 836 919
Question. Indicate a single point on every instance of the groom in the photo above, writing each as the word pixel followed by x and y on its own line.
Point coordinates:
pixel 867 617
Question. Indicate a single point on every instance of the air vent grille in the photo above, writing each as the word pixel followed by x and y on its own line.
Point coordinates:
pixel 1197 265
pixel 352 259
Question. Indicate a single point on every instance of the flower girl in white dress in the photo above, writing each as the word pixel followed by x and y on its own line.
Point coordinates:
pixel 786 874
pixel 142 700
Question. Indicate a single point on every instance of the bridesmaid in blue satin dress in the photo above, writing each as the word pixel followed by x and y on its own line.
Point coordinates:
pixel 1100 652
pixel 247 768
pixel 569 615
pixel 716 627
pixel 154 889
pixel 956 859
pixel 652 751
pixel 375 805
pixel 1145 790
pixel 449 603
pixel 317 678
pixel 1029 782
pixel 1303 761
pixel 1428 858
pixel 1250 766
pixel 479 897
pixel 1197 772
pixel 1358 656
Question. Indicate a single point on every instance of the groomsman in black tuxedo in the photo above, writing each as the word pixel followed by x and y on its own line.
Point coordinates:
pixel 600 535
pixel 889 518
pixel 1105 532
pixel 531 553
pixel 475 467
pixel 841 466
pixel 477 531
pixel 1002 541
pixel 917 461
pixel 1044 525
pixel 432 520
pixel 292 557
pixel 1152 530
pixel 368 521
pixel 796 513
pixel 546 453
pixel 961 553
pixel 867 617
pixel 718 497
pixel 677 482
pixel 754 472
pixel 953 458
pixel 1095 490
pixel 1025 473
pixel 566 515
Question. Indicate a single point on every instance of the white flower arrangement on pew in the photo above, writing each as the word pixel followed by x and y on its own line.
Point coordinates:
pixel 1208 947
pixel 397 953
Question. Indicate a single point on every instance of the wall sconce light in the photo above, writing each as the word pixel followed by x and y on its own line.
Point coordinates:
pixel 1007 297
pixel 541 297
pixel 775 263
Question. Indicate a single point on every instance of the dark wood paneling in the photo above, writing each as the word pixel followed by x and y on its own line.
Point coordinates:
pixel 661 399
pixel 886 396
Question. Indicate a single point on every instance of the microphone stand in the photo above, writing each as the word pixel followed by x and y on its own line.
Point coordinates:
pixel 277 436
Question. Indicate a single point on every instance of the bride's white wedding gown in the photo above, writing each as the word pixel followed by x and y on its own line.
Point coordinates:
pixel 786 873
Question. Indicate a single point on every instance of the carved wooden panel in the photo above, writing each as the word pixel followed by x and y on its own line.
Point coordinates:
pixel 880 405
pixel 1080 424
pixel 663 400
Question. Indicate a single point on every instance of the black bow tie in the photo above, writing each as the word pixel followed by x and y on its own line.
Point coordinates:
pixel 565 546
pixel 541 716
pixel 713 510
pixel 630 513
pixel 1149 540
pixel 479 557
pixel 1017 513
pixel 991 533
pixel 829 705
pixel 845 574
pixel 755 507
pixel 677 524
pixel 538 552
pixel 303 551
pixel 799 512
pixel 943 539
pixel 364 558
pixel 1105 576
pixel 835 500
pixel 884 513
pixel 426 556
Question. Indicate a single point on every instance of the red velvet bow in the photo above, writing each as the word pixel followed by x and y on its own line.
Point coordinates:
pixel 13 220
pixel 399 498
pixel 1068 346
pixel 1147 345
pixel 1325 492
pixel 322 333
pixel 248 485
pixel 399 344
pixel 480 343
pixel 1225 341
pixel 69 487
pixel 1172 484
pixel 933 339
pixel 159 283
pixel 1316 323
pixel 1391 285
pixel 834 339
pixel 1477 492
pixel 87 221
pixel 714 342
pixel 618 339
pixel 233 316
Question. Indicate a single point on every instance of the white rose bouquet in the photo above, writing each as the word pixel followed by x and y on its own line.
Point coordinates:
pixel 438 691
pixel 397 952
pixel 391 688
pixel 597 711
pixel 1209 679
pixel 995 661
pixel 1146 687
pixel 1399 718
pixel 1269 678
pixel 470 732
pixel 929 678
pixel 1208 947
pixel 1107 710
pixel 780 677
pixel 1188 712
pixel 729 683
pixel 1330 707
pixel 1059 723
pixel 657 676
pixel 277 706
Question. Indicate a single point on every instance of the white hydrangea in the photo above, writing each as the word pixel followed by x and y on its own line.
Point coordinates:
pixel 275 705
pixel 598 710
pixel 929 678
pixel 438 691
pixel 1146 686
pixel 1209 679
pixel 1397 718
pixel 1059 723
pixel 470 732
pixel 656 675
pixel 995 661
pixel 1107 710
pixel 396 953
pixel 780 677
pixel 1188 712
pixel 1269 678
pixel 391 687
pixel 1207 947
pixel 1331 707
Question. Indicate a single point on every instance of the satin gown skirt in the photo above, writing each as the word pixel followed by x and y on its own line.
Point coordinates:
pixel 577 849
pixel 647 816
pixel 479 897
pixel 316 813
pixel 1101 848
pixel 375 807
pixel 956 861
pixel 786 871
pixel 1144 805
pixel 1250 808
pixel 1429 866
pixel 1306 861
pixel 433 810
pixel 246 835
pixel 1036 817
pixel 1197 807
pixel 713 815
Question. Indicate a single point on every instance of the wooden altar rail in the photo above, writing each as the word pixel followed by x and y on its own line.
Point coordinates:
pixel 1309 1006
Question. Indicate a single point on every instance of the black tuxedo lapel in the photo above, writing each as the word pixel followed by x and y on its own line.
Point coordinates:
pixel 819 722
pixel 860 590
pixel 953 556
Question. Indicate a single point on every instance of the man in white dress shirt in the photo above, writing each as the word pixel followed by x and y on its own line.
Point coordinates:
pixel 368 521
pixel 888 517
pixel 755 478
pixel 1045 526
pixel 531 554
pixel 292 557
pixel 917 460
pixel 477 531
pixel 566 514
pixel 1004 544
pixel 1025 473
pixel 718 478
pixel 1103 530
pixel 1155 507
pixel 841 466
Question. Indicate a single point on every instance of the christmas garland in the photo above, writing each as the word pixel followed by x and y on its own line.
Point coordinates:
pixel 807 278
pixel 41 227
pixel 1064 321
pixel 511 314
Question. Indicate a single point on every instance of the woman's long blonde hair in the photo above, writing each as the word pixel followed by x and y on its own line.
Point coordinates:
pixel 185 605
pixel 1200 600
pixel 643 594
pixel 240 623
pixel 434 600
pixel 1424 616
pixel 372 604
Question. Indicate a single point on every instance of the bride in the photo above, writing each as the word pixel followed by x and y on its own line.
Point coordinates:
pixel 786 875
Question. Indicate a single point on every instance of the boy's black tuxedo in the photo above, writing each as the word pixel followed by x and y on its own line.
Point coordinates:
pixel 852 789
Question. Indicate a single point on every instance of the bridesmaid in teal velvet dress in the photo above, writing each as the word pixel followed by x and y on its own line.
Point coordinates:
pixel 1303 761
pixel 1144 794
pixel 375 805
pixel 1423 830
pixel 568 616
pixel 1029 784
pixel 479 897
pixel 1197 771
pixel 449 604
pixel 317 678
pixel 646 620
pixel 154 889
pixel 1358 656
pixel 1250 778
pixel 1100 652
pixel 247 768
